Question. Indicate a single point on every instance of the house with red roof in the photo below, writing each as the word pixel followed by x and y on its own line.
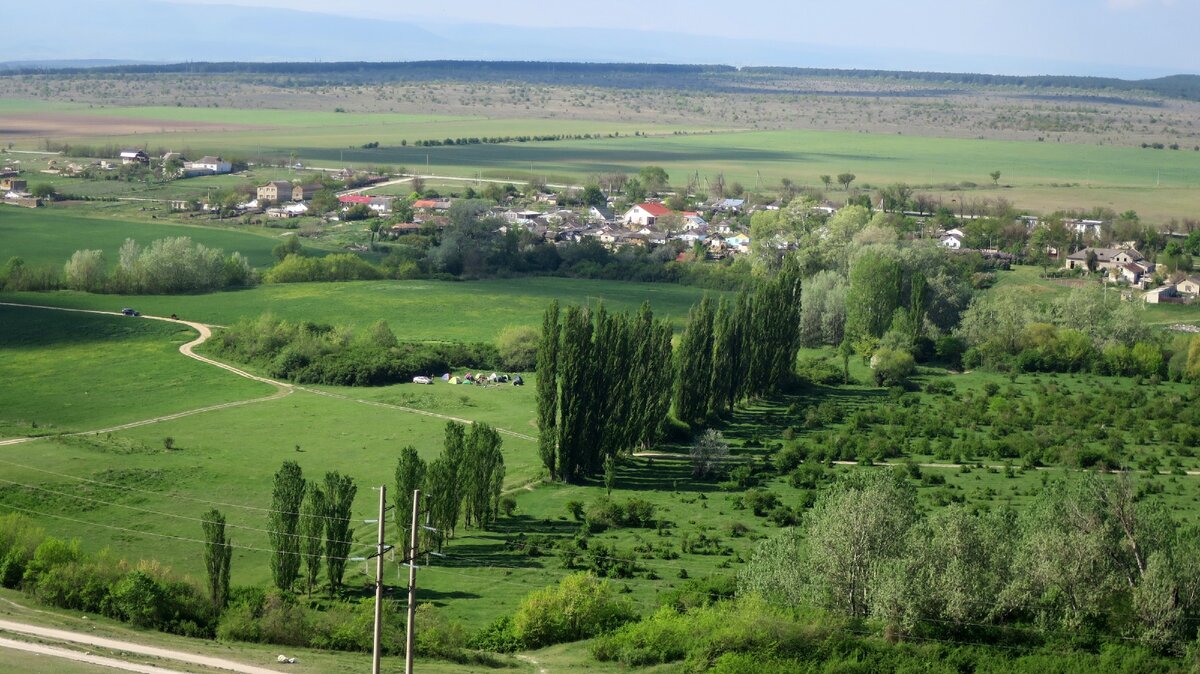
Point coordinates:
pixel 645 214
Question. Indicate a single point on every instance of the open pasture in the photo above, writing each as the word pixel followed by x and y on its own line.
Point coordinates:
pixel 416 310
pixel 50 236
pixel 70 371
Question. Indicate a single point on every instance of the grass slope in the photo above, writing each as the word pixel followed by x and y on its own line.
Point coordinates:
pixel 81 372
pixel 416 310
pixel 50 236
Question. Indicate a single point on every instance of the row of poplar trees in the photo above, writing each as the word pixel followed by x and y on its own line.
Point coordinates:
pixel 607 382
pixel 465 482
pixel 738 349
pixel 603 386
pixel 310 523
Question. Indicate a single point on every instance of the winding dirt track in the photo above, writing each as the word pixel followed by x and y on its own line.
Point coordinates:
pixel 282 388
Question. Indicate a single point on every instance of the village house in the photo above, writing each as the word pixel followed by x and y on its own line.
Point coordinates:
pixel 134 157
pixel 1189 286
pixel 377 204
pixel 600 214
pixel 306 192
pixel 951 241
pixel 13 185
pixel 645 214
pixel 1106 258
pixel 276 191
pixel 207 165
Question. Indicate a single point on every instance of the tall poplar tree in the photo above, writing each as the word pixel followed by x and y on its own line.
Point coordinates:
pixel 339 501
pixel 312 532
pixel 410 476
pixel 547 389
pixel 693 378
pixel 483 462
pixel 218 551
pixel 574 399
pixel 286 497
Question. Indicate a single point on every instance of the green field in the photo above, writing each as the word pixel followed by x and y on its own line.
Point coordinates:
pixel 416 310
pixel 50 236
pixel 1042 176
pixel 70 371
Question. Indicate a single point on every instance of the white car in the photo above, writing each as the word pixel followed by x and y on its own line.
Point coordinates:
pixel 422 380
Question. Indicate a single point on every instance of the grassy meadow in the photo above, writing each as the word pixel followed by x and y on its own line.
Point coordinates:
pixel 74 372
pixel 50 236
pixel 423 310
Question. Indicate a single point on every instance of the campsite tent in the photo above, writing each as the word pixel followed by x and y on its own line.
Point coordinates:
pixel 455 380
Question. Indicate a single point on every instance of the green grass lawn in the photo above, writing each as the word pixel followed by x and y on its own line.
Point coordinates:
pixel 416 310
pixel 51 236
pixel 66 371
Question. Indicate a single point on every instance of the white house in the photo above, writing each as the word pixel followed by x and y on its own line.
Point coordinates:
pixel 1189 286
pixel 208 164
pixel 645 214
pixel 951 241
pixel 134 156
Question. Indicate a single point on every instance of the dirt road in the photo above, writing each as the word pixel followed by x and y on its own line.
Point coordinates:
pixel 115 645
pixel 282 388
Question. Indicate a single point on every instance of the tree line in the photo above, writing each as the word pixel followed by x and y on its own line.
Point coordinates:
pixel 1087 556
pixel 465 482
pixel 166 266
pixel 606 382
pixel 603 387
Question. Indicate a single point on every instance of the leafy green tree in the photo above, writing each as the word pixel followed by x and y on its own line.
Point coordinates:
pixel 823 309
pixel 286 498
pixel 653 178
pixel 635 192
pixel 995 176
pixel 708 451
pixel 826 180
pixel 576 399
pixel 218 551
pixel 517 346
pixel 891 366
pixel 844 179
pixel 86 271
pixel 874 292
pixel 854 528
pixel 340 491
pixel 592 196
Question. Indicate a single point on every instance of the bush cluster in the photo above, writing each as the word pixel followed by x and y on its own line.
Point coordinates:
pixel 58 573
pixel 307 352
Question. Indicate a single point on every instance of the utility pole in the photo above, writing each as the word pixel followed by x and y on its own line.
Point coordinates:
pixel 412 585
pixel 379 550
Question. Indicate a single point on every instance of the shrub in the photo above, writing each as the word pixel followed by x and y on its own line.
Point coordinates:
pixel 516 346
pixel 579 607
pixel 891 367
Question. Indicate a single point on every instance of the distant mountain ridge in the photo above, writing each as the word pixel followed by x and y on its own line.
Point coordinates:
pixel 631 75
pixel 164 32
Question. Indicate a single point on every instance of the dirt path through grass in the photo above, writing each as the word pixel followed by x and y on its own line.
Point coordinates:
pixel 115 645
pixel 282 388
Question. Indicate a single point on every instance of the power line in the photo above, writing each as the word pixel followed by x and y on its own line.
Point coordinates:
pixel 164 514
pixel 184 539
pixel 167 494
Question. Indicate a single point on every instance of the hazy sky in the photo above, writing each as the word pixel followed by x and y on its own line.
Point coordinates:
pixel 1154 35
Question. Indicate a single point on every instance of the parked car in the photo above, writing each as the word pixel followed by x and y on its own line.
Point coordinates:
pixel 131 312
pixel 422 380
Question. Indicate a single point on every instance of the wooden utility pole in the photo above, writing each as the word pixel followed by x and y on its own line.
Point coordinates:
pixel 412 583
pixel 379 550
